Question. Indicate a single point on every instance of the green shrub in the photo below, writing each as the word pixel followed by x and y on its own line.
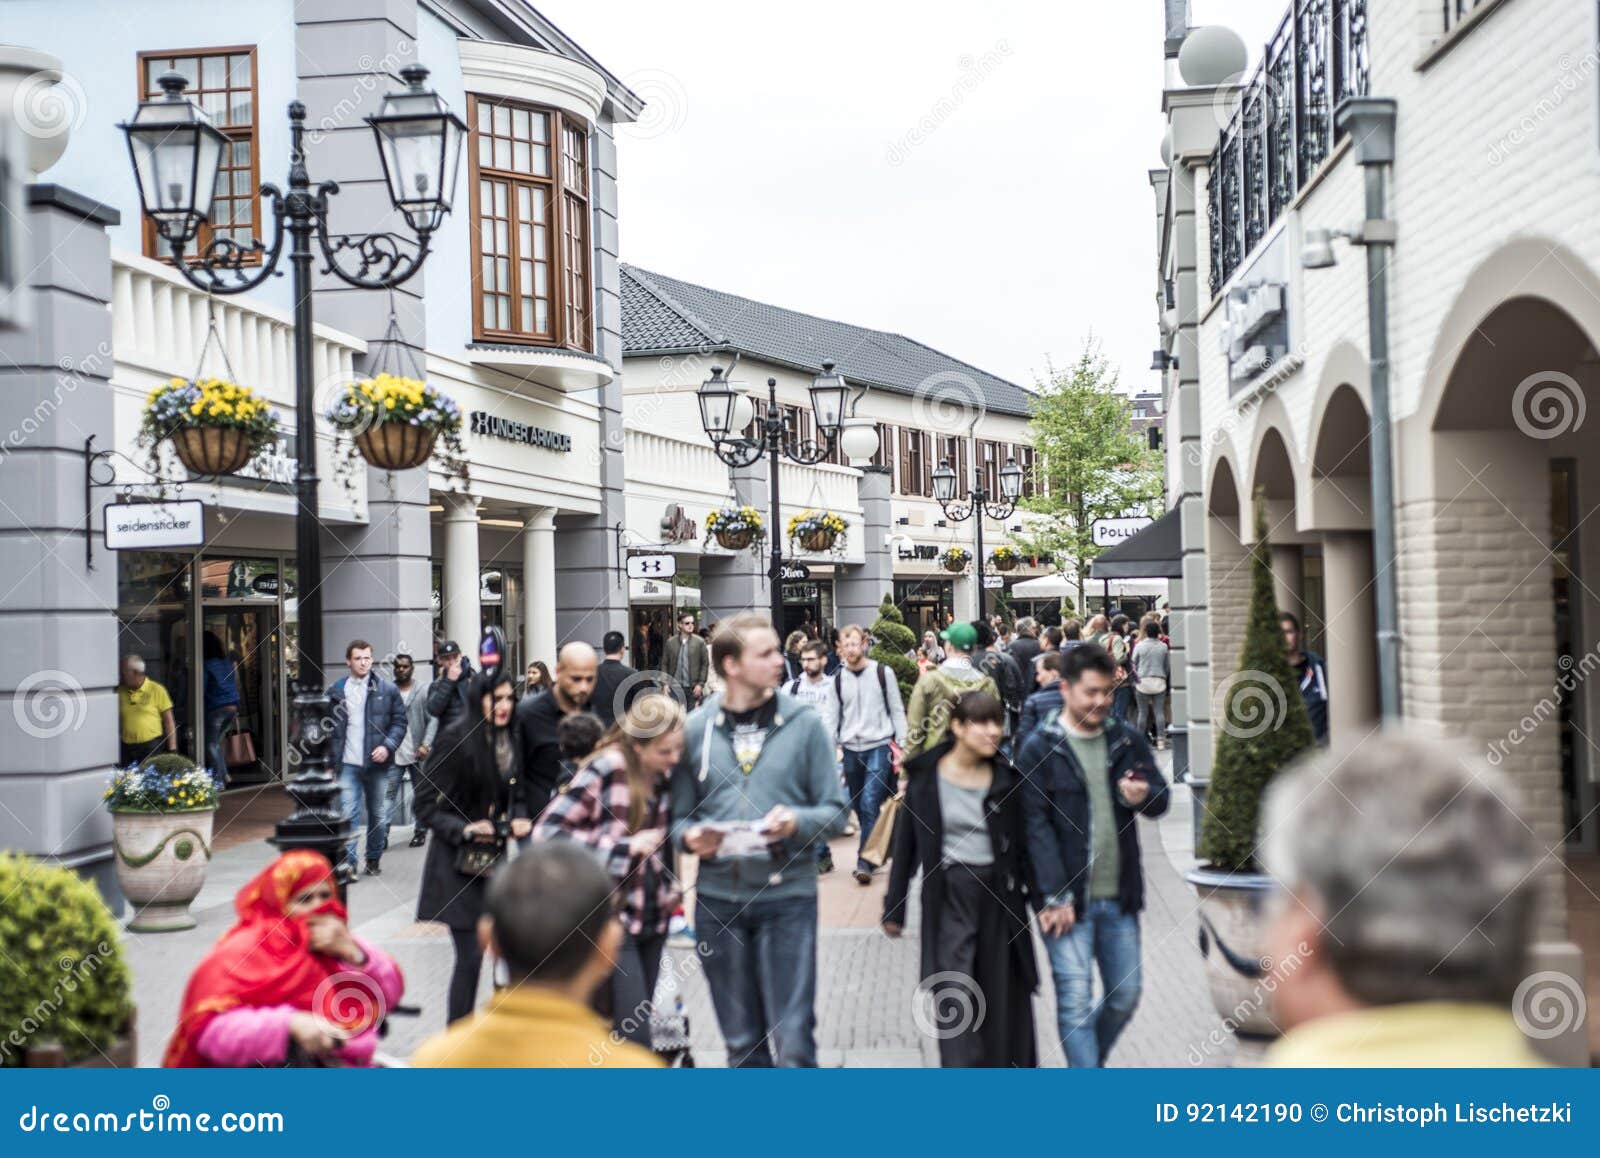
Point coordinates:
pixel 62 977
pixel 1263 726
pixel 891 639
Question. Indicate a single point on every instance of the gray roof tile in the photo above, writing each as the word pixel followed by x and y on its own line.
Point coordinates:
pixel 664 315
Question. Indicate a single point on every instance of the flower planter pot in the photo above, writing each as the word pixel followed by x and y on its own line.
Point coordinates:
pixel 819 540
pixel 1004 563
pixel 1232 932
pixel 734 540
pixel 121 1054
pixel 396 445
pixel 161 863
pixel 211 450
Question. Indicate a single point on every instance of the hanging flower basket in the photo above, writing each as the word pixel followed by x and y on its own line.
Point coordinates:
pixel 215 427
pixel 735 528
pixel 396 422
pixel 1005 558
pixel 955 559
pixel 818 531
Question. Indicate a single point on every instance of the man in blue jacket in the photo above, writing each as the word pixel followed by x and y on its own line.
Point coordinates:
pixel 756 790
pixel 1086 775
pixel 369 722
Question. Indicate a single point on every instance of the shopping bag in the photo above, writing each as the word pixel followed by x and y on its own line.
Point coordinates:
pixel 881 840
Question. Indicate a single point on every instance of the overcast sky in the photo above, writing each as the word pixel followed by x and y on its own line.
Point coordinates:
pixel 973 176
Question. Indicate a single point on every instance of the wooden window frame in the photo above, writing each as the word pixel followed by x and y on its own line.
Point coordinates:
pixel 558 196
pixel 154 245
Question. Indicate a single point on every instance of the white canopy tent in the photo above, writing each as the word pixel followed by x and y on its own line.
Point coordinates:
pixel 1059 585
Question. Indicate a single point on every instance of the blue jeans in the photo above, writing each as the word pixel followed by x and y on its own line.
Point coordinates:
pixel 217 722
pixel 1122 702
pixel 869 776
pixel 761 963
pixel 1107 935
pixel 368 787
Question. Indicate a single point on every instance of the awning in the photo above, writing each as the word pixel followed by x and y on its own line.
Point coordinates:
pixel 642 592
pixel 1154 553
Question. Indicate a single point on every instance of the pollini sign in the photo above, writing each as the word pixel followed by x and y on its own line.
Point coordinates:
pixel 494 426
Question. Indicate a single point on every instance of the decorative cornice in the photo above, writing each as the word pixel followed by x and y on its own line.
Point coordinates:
pixel 531 74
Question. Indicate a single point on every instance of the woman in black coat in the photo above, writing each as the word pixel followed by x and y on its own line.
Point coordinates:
pixel 468 794
pixel 962 826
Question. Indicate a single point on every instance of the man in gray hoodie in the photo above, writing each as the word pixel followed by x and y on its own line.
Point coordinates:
pixel 756 789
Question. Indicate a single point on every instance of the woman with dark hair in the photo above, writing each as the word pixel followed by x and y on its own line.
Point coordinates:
pixel 618 804
pixel 963 827
pixel 221 703
pixel 537 680
pixel 468 796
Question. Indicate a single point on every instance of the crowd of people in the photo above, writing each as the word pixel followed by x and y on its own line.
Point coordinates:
pixel 565 813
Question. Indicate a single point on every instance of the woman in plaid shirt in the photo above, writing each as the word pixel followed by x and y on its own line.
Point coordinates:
pixel 618 804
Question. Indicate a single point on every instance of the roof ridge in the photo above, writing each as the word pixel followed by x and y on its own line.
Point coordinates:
pixel 647 280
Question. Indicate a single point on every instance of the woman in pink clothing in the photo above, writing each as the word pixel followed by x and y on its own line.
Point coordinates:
pixel 289 984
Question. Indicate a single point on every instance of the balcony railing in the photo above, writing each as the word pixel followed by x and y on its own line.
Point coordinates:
pixel 1283 127
pixel 1455 11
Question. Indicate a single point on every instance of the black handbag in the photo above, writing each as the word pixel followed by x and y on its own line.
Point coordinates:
pixel 477 858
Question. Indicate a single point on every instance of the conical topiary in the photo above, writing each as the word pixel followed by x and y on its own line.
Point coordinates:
pixel 891 640
pixel 1262 725
pixel 62 976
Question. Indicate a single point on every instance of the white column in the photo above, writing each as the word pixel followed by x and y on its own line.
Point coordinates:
pixel 1288 580
pixel 539 585
pixel 463 618
pixel 1352 657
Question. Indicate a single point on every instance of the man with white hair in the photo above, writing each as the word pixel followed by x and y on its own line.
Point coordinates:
pixel 538 715
pixel 144 714
pixel 1407 895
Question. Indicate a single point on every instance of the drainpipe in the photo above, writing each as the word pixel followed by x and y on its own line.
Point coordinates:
pixel 1370 123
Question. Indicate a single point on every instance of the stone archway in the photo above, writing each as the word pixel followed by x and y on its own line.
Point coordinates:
pixel 1227 571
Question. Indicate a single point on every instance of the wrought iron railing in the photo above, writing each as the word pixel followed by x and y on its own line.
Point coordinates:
pixel 1283 127
pixel 1455 11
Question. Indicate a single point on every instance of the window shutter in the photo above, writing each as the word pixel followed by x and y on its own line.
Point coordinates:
pixel 963 474
pixel 927 465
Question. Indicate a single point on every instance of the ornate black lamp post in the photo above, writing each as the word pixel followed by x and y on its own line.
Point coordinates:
pixel 725 412
pixel 176 153
pixel 979 503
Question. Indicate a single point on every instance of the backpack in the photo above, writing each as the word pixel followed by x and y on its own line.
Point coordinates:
pixel 1007 675
pixel 938 724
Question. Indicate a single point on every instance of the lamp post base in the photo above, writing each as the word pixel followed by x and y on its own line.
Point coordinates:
pixel 318 822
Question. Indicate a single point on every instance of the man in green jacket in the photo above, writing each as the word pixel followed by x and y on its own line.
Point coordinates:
pixel 928 716
pixel 686 661
pixel 756 790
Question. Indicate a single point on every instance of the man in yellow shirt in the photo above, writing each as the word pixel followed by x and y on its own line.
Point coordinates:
pixel 549 918
pixel 144 714
pixel 1408 888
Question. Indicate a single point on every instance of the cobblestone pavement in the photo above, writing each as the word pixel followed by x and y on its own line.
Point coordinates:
pixel 865 984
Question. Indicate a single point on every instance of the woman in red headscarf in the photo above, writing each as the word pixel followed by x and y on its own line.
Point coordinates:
pixel 289 972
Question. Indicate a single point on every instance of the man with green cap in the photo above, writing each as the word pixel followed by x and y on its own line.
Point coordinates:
pixel 928 715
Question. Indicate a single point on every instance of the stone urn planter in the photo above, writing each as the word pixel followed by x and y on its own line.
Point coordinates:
pixel 161 860
pixel 1232 932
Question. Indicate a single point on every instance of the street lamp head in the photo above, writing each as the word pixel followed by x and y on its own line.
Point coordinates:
pixel 828 396
pixel 944 482
pixel 419 142
pixel 1011 480
pixel 1316 251
pixel 176 152
pixel 859 439
pixel 717 400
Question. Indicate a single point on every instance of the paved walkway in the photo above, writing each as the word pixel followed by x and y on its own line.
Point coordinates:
pixel 866 982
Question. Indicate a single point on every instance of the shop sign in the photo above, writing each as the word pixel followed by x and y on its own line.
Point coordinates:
pixel 677 527
pixel 1110 532
pixel 266 584
pixel 513 431
pixel 919 551
pixel 800 593
pixel 994 582
pixel 144 526
pixel 794 573
pixel 652 566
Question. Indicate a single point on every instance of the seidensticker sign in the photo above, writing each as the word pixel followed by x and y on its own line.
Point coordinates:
pixel 141 526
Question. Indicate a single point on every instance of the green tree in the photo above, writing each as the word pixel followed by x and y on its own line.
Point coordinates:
pixel 891 639
pixel 1263 725
pixel 1090 463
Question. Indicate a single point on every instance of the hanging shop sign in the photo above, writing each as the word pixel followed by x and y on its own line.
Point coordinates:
pixel 494 426
pixel 994 582
pixel 144 526
pixel 794 573
pixel 652 566
pixel 1110 532
pixel 677 527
